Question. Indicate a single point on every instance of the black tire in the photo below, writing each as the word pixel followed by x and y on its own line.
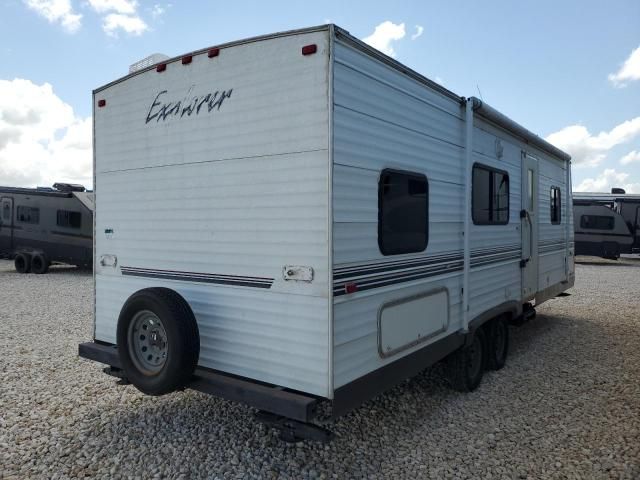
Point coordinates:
pixel 39 264
pixel 497 331
pixel 466 365
pixel 22 263
pixel 182 340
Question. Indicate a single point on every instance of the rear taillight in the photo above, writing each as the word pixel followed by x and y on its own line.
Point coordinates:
pixel 309 49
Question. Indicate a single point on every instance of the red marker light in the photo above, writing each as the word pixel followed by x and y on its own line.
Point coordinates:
pixel 351 288
pixel 309 49
pixel 187 59
pixel 161 67
pixel 102 103
pixel 214 52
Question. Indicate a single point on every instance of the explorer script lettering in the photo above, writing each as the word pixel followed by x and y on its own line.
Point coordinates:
pixel 163 109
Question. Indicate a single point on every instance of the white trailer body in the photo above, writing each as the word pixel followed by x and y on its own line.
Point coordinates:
pixel 261 181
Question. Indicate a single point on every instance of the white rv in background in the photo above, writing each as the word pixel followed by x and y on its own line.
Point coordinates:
pixel 298 218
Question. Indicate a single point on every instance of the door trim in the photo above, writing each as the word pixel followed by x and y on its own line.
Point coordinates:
pixel 529 225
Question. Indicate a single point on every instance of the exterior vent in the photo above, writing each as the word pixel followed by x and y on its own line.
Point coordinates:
pixel 148 61
pixel 618 191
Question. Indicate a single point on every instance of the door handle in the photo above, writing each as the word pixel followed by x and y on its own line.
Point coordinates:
pixel 525 214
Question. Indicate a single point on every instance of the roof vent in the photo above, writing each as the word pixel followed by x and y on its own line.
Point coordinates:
pixel 68 187
pixel 618 191
pixel 148 61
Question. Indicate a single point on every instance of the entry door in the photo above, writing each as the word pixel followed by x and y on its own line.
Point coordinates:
pixel 529 219
pixel 6 224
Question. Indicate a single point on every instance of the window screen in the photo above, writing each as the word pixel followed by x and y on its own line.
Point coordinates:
pixel 490 194
pixel 556 205
pixel 69 219
pixel 28 214
pixel 597 222
pixel 403 212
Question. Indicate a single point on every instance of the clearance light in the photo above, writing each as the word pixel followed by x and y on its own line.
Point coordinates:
pixel 187 59
pixel 214 52
pixel 161 67
pixel 350 287
pixel 309 49
pixel 102 103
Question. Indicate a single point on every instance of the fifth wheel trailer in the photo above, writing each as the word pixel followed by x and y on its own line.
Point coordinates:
pixel 43 225
pixel 313 222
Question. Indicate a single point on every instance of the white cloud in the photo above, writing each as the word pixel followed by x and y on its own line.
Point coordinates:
pixel 120 15
pixel 419 31
pixel 57 11
pixel 131 24
pixel 158 10
pixel 384 34
pixel 629 71
pixel 606 181
pixel 589 149
pixel 42 140
pixel 631 157
pixel 119 6
pixel 117 15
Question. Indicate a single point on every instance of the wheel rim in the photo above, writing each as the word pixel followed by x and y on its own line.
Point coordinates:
pixel 500 340
pixel 148 345
pixel 474 365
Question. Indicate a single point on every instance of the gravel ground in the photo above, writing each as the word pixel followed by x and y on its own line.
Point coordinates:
pixel 567 405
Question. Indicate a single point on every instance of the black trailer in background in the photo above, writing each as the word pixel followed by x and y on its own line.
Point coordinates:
pixel 39 226
pixel 607 224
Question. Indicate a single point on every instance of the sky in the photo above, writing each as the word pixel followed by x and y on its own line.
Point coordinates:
pixel 567 70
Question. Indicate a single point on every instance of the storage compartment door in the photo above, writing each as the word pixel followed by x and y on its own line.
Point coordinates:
pixel 409 321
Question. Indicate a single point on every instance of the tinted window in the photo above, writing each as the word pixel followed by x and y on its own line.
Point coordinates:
pixel 6 211
pixel 402 212
pixel 597 222
pixel 556 205
pixel 490 196
pixel 28 214
pixel 69 219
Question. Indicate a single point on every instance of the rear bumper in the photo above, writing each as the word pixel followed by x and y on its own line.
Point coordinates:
pixel 268 398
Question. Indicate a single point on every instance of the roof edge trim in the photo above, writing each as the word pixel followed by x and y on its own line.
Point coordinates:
pixel 494 116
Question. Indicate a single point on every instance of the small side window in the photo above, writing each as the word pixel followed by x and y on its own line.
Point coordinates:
pixel 28 214
pixel 69 219
pixel 403 212
pixel 597 222
pixel 490 196
pixel 556 206
pixel 6 212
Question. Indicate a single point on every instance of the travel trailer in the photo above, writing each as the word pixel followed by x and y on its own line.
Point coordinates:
pixel 39 226
pixel 313 222
pixel 607 225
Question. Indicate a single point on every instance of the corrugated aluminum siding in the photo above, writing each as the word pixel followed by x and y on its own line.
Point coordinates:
pixel 385 119
pixel 237 192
